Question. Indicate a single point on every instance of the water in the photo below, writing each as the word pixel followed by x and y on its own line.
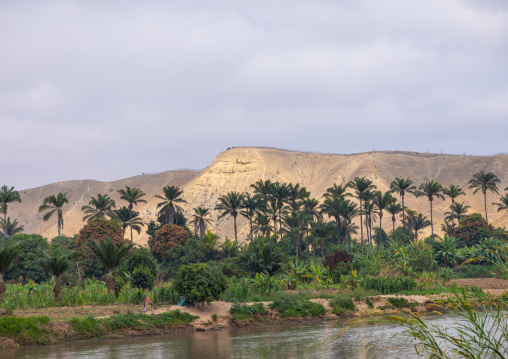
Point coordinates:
pixel 279 341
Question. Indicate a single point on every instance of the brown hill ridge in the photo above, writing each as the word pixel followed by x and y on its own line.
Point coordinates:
pixel 237 168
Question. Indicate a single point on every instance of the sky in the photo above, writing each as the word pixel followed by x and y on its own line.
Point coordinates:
pixel 107 89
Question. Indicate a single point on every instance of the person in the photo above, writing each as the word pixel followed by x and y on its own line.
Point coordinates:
pixel 145 303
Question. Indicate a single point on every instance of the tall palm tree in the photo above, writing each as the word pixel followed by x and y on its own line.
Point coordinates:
pixel 169 205
pixel 262 225
pixel 200 221
pixel 99 207
pixel 322 231
pixel 56 263
pixel 311 207
pixel 230 203
pixel 111 255
pixel 54 204
pixel 348 211
pixel 361 185
pixel 418 223
pixel 263 189
pixel 459 211
pixel 295 224
pixel 9 252
pixel 336 190
pixel 453 192
pixel 272 212
pixel 431 189
pixel 296 194
pixel 133 196
pixel 394 209
pixel 8 195
pixel 331 207
pixel 382 201
pixel 502 205
pixel 10 228
pixel 370 214
pixel 250 209
pixel 280 194
pixel 403 186
pixel 484 182
pixel 129 218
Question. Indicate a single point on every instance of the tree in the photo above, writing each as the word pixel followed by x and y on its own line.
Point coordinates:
pixel 311 207
pixel 382 201
pixel 472 230
pixel 99 207
pixel 295 195
pixel 331 206
pixel 230 203
pixel 54 204
pixel 263 226
pixel 165 238
pixel 262 255
pixel 453 192
pixel 200 283
pixel 370 214
pixel 336 190
pixel 169 205
pixel 10 228
pixel 296 224
pixel 348 211
pixel 484 182
pixel 280 194
pixel 458 210
pixel 394 209
pixel 263 189
pixel 361 185
pixel 250 207
pixel 431 189
pixel 502 205
pixel 111 255
pixel 403 186
pixel 27 266
pixel 200 221
pixel 57 262
pixel 129 218
pixel 8 195
pixel 9 252
pixel 210 245
pixel 133 196
pixel 418 223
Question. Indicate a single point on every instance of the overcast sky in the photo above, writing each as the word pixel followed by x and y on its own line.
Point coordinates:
pixel 109 89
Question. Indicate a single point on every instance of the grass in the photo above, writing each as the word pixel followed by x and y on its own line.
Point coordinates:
pixel 289 306
pixel 302 295
pixel 246 312
pixel 342 304
pixel 388 285
pixel 27 330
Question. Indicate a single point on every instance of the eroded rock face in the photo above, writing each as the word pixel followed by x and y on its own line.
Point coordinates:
pixel 236 169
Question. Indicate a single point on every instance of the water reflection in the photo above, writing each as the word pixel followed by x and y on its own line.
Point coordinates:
pixel 283 341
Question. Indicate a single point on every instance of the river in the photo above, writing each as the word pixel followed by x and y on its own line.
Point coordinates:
pixel 261 342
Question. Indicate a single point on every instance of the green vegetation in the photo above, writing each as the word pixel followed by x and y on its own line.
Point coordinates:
pixel 290 306
pixel 342 304
pixel 389 285
pixel 245 312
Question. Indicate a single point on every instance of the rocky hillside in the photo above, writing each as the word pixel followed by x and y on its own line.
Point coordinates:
pixel 237 168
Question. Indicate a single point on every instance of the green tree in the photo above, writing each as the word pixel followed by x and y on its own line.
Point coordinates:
pixel 170 203
pixel 263 226
pixel 53 204
pixel 484 182
pixel 348 211
pixel 129 218
pixel 133 196
pixel 230 203
pixel 472 230
pixel 331 206
pixel 418 223
pixel 382 201
pixel 262 255
pixel 210 245
pixel 457 210
pixel 403 186
pixel 111 255
pixel 263 189
pixel 57 262
pixel 295 223
pixel 27 265
pixel 8 195
pixel 250 209
pixel 296 194
pixel 361 185
pixel 200 283
pixel 502 205
pixel 165 238
pixel 336 190
pixel 10 228
pixel 453 192
pixel 200 220
pixel 99 207
pixel 9 252
pixel 431 190
pixel 394 209
pixel 280 193
pixel 311 207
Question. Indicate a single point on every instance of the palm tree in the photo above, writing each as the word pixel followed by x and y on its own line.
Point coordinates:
pixel 503 203
pixel 453 192
pixel 250 208
pixel 394 209
pixel 133 196
pixel 311 208
pixel 99 207
pixel 431 189
pixel 272 212
pixel 295 195
pixel 370 214
pixel 348 211
pixel 111 255
pixel 169 205
pixel 129 218
pixel 9 252
pixel 382 201
pixel 10 228
pixel 230 203
pixel 336 190
pixel 296 223
pixel 57 262
pixel 54 204
pixel 280 193
pixel 210 244
pixel 361 185
pixel 8 195
pixel 200 221
pixel 484 182
pixel 331 206
pixel 402 186
pixel 418 223
pixel 459 211
pixel 262 226
pixel 263 189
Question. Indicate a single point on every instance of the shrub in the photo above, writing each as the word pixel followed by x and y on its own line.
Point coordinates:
pixel 341 305
pixel 142 256
pixel 165 294
pixel 399 302
pixel 200 282
pixel 388 285
pixel 472 229
pixel 142 277
pixel 87 326
pixel 288 306
pixel 337 257
pixel 473 271
pixel 369 303
pixel 244 312
pixel 24 329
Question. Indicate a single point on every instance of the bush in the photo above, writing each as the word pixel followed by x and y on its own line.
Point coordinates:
pixel 183 254
pixel 165 294
pixel 289 306
pixel 142 256
pixel 341 305
pixel 88 326
pixel 399 302
pixel 401 237
pixel 388 285
pixel 472 229
pixel 473 271
pixel 200 282
pixel 336 258
pixel 24 329
pixel 142 277
pixel 244 312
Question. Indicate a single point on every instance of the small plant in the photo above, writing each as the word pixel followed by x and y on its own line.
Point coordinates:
pixel 369 303
pixel 388 285
pixel 214 317
pixel 400 302
pixel 341 305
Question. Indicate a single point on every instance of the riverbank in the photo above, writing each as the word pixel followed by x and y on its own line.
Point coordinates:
pixel 45 326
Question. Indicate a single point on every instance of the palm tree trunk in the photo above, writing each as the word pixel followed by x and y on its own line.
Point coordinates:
pixel 110 282
pixel 347 238
pixel 234 222
pixel 322 250
pixel 2 288
pixel 5 213
pixel 380 227
pixel 403 214
pixel 171 216
pixel 313 247
pixel 485 202
pixel 361 220
pixel 59 225
pixel 297 242
pixel 280 224
pixel 453 220
pixel 431 221
pixel 393 223
pixel 57 289
pixel 130 222
pixel 338 229
pixel 251 231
